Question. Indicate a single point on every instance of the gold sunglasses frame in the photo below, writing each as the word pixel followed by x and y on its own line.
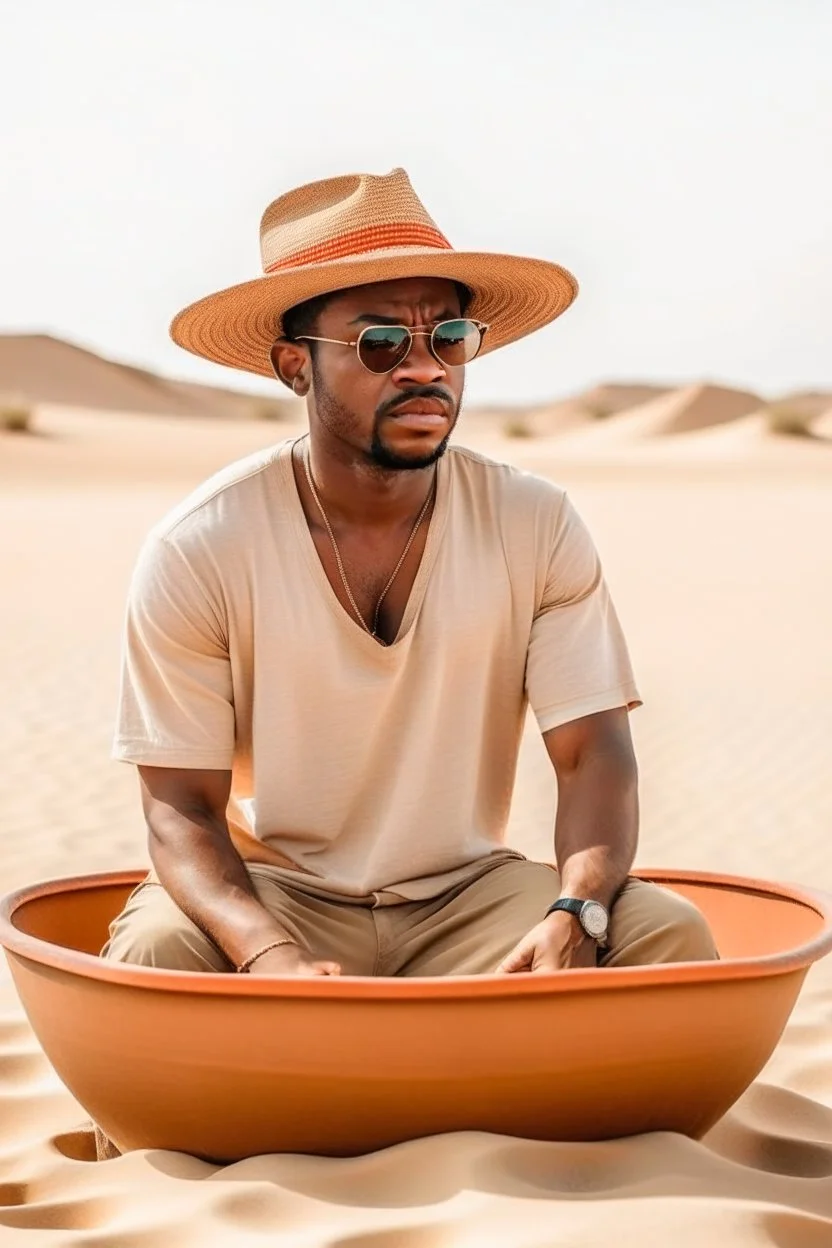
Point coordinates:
pixel 421 333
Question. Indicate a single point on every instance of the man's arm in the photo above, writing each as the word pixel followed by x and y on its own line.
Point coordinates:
pixel 580 685
pixel 596 830
pixel 196 862
pixel 176 723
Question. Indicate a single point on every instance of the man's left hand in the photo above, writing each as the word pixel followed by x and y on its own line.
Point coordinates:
pixel 558 943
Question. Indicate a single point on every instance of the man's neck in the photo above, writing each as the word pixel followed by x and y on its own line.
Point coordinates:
pixel 357 493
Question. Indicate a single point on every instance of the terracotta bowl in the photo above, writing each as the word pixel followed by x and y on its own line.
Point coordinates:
pixel 225 1066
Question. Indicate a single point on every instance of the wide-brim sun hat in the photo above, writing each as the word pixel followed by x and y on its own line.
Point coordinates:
pixel 352 231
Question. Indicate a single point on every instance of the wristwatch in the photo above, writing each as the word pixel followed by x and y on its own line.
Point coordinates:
pixel 592 916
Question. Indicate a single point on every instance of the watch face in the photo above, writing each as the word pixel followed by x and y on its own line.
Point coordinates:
pixel 594 919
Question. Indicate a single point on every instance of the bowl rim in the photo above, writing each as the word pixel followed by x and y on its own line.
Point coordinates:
pixel 23 947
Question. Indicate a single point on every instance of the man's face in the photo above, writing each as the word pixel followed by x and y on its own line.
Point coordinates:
pixel 376 412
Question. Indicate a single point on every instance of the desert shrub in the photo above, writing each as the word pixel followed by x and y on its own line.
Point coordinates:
pixel 269 409
pixel 789 420
pixel 15 414
pixel 596 410
pixel 517 427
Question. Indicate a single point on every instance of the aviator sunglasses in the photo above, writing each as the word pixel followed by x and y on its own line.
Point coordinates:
pixel 381 348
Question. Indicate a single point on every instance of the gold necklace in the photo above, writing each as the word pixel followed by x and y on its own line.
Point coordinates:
pixel 373 632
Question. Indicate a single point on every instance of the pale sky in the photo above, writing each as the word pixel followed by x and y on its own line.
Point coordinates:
pixel 676 155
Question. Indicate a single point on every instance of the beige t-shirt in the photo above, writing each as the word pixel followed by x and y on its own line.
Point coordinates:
pixel 372 771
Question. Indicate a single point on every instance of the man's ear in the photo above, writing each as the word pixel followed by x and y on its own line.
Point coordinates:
pixel 290 363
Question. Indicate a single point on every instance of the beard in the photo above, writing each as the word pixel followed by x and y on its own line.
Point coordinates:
pixel 345 423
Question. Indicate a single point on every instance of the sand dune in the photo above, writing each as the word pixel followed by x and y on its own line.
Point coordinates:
pixel 728 624
pixel 610 397
pixel 811 403
pixel 578 411
pixel 551 419
pixel 747 440
pixel 47 370
pixel 675 412
pixel 237 404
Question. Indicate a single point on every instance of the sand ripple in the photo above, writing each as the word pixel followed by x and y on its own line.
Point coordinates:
pixel 762 1176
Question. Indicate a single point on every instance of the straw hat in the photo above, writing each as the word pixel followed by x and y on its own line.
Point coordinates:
pixel 350 231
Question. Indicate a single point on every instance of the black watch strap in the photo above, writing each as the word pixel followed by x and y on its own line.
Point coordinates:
pixel 566 903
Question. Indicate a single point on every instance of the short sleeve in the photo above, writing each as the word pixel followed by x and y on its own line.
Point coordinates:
pixel 578 662
pixel 175 701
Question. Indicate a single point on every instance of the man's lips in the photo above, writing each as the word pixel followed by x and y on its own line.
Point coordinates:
pixel 420 407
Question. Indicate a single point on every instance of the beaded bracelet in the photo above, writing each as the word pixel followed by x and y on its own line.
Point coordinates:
pixel 243 967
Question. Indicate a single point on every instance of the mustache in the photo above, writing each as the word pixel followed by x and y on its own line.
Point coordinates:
pixel 416 392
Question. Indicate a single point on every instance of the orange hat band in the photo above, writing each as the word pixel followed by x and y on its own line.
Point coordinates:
pixel 358 242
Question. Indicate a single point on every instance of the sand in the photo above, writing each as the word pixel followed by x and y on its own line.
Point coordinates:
pixel 717 563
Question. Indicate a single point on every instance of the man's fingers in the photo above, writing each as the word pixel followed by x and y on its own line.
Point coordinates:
pixel 520 959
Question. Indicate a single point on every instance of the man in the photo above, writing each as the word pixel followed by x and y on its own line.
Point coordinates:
pixel 330 646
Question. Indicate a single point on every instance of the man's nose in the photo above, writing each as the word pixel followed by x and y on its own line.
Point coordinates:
pixel 420 366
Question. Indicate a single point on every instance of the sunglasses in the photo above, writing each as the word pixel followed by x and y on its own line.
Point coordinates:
pixel 381 348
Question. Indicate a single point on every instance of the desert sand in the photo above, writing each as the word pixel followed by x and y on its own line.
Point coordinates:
pixel 717 553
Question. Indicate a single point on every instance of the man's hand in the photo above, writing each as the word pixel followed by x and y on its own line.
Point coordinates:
pixel 558 943
pixel 292 960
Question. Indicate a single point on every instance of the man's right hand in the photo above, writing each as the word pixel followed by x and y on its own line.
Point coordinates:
pixel 292 960
pixel 198 866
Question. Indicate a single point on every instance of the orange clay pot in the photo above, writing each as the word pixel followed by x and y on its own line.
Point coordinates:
pixel 229 1066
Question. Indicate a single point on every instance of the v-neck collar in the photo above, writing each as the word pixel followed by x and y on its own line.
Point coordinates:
pixel 306 543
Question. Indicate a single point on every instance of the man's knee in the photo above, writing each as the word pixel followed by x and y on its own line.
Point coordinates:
pixel 652 925
pixel 153 931
pixel 685 933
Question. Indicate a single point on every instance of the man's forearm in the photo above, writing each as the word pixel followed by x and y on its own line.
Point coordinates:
pixel 596 830
pixel 198 866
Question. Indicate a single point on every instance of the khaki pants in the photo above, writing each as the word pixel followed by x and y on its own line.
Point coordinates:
pixel 465 931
